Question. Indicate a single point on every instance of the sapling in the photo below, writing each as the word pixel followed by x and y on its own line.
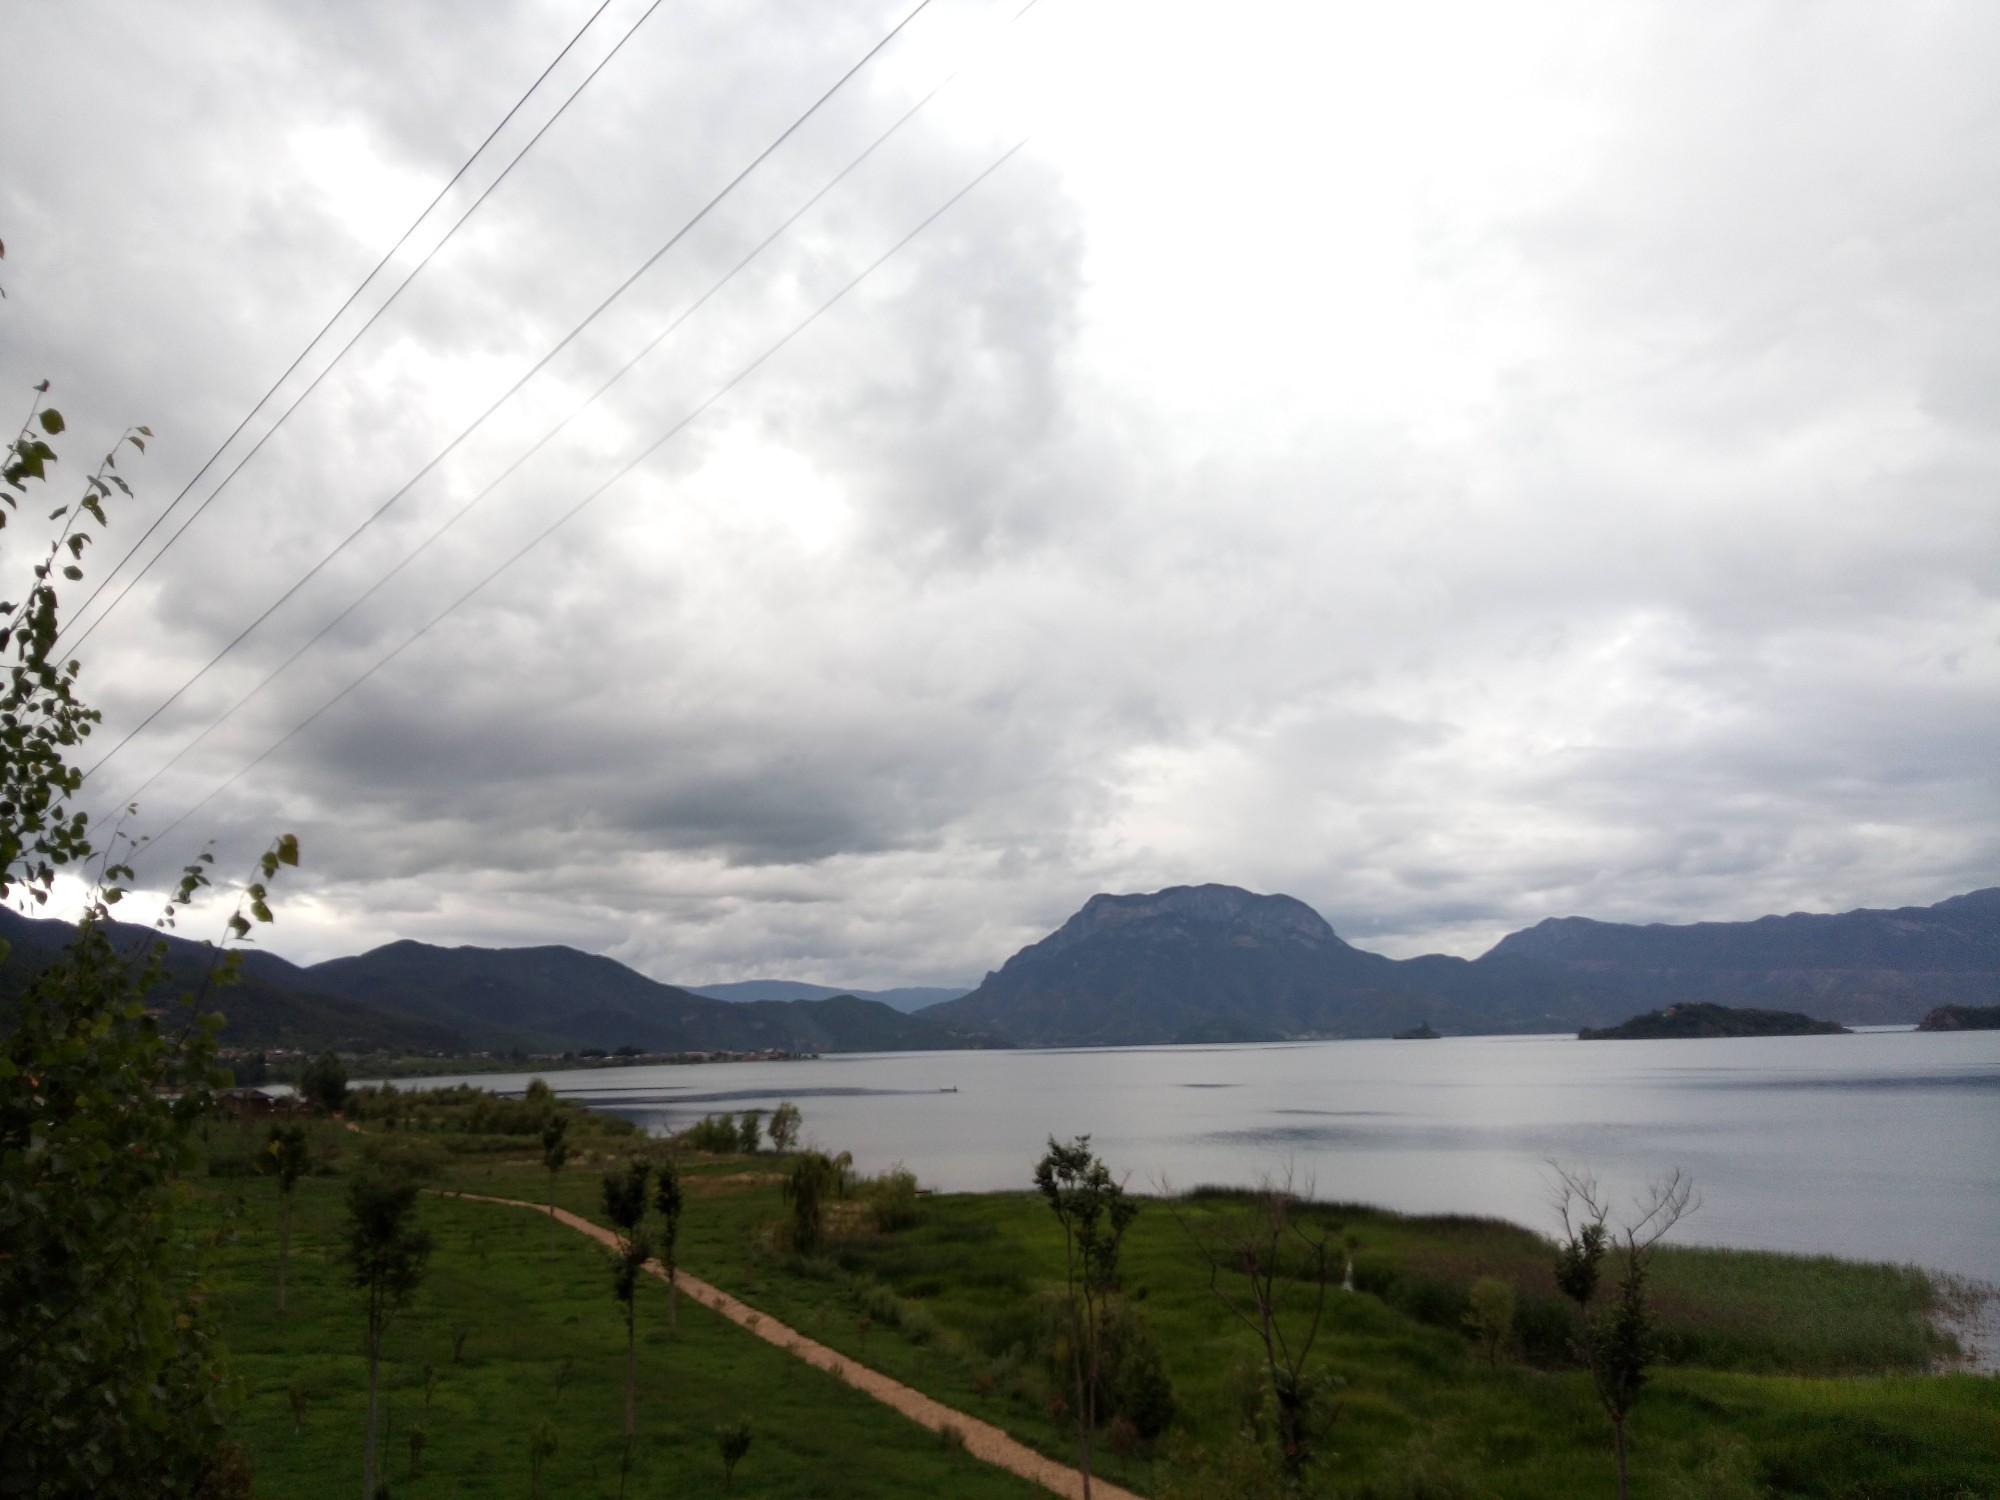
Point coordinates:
pixel 1491 1315
pixel 625 1207
pixel 555 1151
pixel 386 1256
pixel 1618 1344
pixel 733 1441
pixel 287 1155
pixel 543 1444
pixel 1094 1213
pixel 669 1200
pixel 1279 1259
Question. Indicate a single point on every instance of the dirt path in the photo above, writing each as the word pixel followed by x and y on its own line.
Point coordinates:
pixel 982 1439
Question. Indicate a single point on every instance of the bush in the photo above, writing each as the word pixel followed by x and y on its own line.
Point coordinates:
pixel 893 1199
pixel 1132 1380
pixel 716 1134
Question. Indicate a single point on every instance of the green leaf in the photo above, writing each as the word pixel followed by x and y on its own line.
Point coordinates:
pixel 73 573
pixel 147 430
pixel 52 422
pixel 239 925
pixel 288 849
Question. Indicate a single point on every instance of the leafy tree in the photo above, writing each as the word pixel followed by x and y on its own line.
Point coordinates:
pixel 287 1156
pixel 812 1180
pixel 386 1256
pixel 555 1151
pixel 784 1127
pixel 323 1084
pixel 110 1372
pixel 1617 1344
pixel 1285 1268
pixel 625 1207
pixel 668 1199
pixel 748 1133
pixel 1095 1213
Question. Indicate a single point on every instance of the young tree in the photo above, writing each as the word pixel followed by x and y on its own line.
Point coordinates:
pixel 555 1151
pixel 784 1127
pixel 386 1255
pixel 625 1207
pixel 1279 1260
pixel 1617 1344
pixel 749 1135
pixel 287 1156
pixel 323 1084
pixel 100 1097
pixel 1095 1213
pixel 669 1200
pixel 733 1441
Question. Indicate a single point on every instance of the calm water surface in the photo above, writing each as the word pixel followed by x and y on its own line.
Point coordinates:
pixel 1882 1145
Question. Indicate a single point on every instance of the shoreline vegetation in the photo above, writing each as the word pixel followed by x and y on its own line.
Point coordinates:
pixel 1445 1361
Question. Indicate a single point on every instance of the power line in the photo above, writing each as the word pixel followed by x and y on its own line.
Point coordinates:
pixel 387 303
pixel 507 395
pixel 505 474
pixel 576 509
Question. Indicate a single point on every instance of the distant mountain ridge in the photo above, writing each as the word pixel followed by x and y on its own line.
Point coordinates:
pixel 905 998
pixel 1214 963
pixel 1217 963
pixel 1869 966
pixel 562 998
pixel 414 997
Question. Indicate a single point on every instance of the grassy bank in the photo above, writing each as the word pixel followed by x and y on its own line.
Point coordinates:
pixel 1786 1376
pixel 513 1329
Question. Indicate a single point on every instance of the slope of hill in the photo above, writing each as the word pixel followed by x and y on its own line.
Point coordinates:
pixel 905 999
pixel 1213 963
pixel 1864 966
pixel 271 1005
pixel 561 998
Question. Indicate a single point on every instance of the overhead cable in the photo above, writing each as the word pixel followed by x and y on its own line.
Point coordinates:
pixel 507 395
pixel 593 495
pixel 507 473
pixel 372 318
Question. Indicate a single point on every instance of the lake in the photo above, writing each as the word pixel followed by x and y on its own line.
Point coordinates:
pixel 1881 1145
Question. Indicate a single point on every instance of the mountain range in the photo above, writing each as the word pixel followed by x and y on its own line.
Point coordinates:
pixel 1214 963
pixel 418 998
pixel 1208 963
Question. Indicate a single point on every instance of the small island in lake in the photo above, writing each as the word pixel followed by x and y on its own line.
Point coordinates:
pixel 1421 1032
pixel 1962 1018
pixel 1698 1018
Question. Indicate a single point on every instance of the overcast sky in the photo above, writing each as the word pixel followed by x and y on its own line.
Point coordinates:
pixel 1454 464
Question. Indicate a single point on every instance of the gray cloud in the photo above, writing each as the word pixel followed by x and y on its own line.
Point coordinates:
pixel 1578 504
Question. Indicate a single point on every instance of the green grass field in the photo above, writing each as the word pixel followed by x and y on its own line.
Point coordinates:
pixel 1788 1376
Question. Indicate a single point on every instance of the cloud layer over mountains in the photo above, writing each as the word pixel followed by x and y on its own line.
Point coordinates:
pixel 1453 467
